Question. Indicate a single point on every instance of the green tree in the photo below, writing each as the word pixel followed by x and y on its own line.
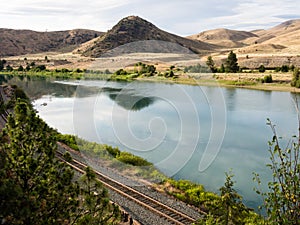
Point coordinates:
pixel 2 63
pixel 296 78
pixel 27 68
pixel 231 65
pixel 282 201
pixel 95 201
pixel 211 64
pixel 44 192
pixel 231 203
pixel 261 69
pixel 222 68
pixel 40 68
pixel 20 68
pixel 268 79
pixel 35 188
pixel 285 68
pixel 9 68
pixel 228 208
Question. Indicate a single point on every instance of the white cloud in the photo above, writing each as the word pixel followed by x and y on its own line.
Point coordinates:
pixel 181 17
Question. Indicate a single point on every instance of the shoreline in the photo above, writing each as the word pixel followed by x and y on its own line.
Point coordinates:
pixel 237 80
pixel 282 86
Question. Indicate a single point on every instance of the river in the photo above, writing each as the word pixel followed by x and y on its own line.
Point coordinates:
pixel 189 132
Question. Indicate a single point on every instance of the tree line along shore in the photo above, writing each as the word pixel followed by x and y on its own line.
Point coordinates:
pixel 229 74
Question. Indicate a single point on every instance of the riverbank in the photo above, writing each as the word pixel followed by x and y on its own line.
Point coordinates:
pixel 280 81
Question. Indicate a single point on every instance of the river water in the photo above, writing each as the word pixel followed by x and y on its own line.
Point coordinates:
pixel 189 132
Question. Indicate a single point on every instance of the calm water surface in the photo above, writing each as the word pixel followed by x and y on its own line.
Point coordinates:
pixel 189 132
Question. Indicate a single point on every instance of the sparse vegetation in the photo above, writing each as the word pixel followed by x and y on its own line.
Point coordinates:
pixel 197 69
pixel 140 70
pixel 226 208
pixel 282 200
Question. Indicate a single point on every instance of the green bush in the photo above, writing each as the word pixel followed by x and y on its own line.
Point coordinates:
pixel 131 159
pixel 296 81
pixel 69 140
pixel 114 152
pixel 268 79
pixel 285 69
pixel 121 72
pixel 262 69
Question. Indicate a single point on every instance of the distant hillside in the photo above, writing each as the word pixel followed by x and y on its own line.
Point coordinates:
pixel 286 34
pixel 283 38
pixel 134 29
pixel 283 29
pixel 20 42
pixel 274 47
pixel 224 37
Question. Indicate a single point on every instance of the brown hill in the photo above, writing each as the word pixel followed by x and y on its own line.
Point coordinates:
pixel 224 37
pixel 20 42
pixel 274 47
pixel 135 29
pixel 285 28
pixel 282 39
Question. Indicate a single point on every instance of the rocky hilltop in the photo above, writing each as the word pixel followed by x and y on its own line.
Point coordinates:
pixel 134 29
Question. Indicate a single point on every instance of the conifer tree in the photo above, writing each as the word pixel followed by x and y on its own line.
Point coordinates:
pixel 231 65
pixel 36 188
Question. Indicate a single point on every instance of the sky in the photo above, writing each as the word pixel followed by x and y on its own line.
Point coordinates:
pixel 182 17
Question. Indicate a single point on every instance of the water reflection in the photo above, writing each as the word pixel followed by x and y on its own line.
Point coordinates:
pixel 129 102
pixel 36 87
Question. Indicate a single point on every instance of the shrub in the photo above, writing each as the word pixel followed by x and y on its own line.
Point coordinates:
pixel 131 159
pixel 295 81
pixel 121 72
pixel 113 151
pixel 282 200
pixel 69 140
pixel 262 69
pixel 64 70
pixel 285 69
pixel 40 68
pixel 20 68
pixel 277 69
pixel 268 79
pixel 78 70
pixel 9 68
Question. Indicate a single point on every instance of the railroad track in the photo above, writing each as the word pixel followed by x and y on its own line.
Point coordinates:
pixel 145 201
